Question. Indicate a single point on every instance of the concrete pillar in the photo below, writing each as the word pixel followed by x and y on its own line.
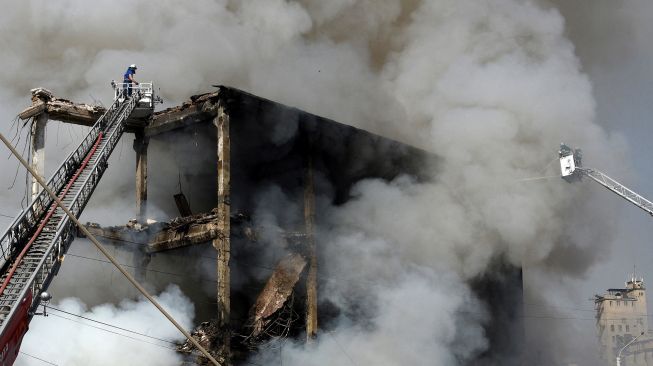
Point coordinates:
pixel 140 146
pixel 311 278
pixel 223 243
pixel 38 150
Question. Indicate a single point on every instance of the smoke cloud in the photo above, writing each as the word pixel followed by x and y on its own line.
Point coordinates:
pixel 80 342
pixel 490 87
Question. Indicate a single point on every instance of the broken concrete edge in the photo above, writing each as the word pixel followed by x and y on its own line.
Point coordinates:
pixel 172 239
pixel 164 239
pixel 178 232
pixel 44 101
pixel 41 94
pixel 278 288
pixel 32 111
pixel 199 108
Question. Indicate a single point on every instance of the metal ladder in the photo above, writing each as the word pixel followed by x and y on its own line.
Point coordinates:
pixel 34 244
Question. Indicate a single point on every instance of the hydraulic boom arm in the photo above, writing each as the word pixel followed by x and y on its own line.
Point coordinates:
pixel 572 170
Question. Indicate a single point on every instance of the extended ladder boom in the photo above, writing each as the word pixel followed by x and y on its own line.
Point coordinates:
pixel 32 248
pixel 572 170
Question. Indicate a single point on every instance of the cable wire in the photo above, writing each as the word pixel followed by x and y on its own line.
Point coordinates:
pixel 351 360
pixel 140 268
pixel 38 358
pixel 112 332
pixel 108 325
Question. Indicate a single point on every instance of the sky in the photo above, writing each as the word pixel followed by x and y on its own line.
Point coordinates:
pixel 492 89
pixel 611 41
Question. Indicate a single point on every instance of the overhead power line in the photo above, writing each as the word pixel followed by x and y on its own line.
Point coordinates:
pixel 140 268
pixel 112 332
pixel 38 358
pixel 107 324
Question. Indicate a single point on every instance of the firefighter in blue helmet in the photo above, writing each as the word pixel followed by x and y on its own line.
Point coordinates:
pixel 129 79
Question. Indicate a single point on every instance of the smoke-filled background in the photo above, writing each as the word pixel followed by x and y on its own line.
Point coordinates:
pixel 492 87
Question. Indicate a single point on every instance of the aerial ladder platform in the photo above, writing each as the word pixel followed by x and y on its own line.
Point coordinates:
pixel 571 169
pixel 33 247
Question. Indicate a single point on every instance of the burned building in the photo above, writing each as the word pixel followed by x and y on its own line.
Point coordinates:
pixel 242 145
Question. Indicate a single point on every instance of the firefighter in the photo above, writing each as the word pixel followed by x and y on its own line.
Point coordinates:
pixel 129 79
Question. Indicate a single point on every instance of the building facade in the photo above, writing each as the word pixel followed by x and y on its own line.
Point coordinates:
pixel 622 316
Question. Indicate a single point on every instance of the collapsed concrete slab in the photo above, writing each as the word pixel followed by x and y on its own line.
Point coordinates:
pixel 43 101
pixel 278 288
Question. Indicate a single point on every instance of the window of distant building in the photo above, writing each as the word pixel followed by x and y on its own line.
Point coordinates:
pixel 612 328
pixel 632 303
pixel 610 302
pixel 627 328
pixel 618 303
pixel 621 329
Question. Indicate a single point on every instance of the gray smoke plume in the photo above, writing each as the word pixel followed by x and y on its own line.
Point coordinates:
pixel 491 87
pixel 85 342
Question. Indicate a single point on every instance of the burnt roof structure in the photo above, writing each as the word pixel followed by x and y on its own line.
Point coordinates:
pixel 245 144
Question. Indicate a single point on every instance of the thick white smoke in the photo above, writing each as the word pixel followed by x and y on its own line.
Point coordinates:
pixel 79 341
pixel 491 87
pixel 417 324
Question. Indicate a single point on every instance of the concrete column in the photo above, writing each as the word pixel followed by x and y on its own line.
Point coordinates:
pixel 223 243
pixel 140 146
pixel 38 150
pixel 311 278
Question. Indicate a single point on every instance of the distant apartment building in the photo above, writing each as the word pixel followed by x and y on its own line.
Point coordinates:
pixel 621 316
